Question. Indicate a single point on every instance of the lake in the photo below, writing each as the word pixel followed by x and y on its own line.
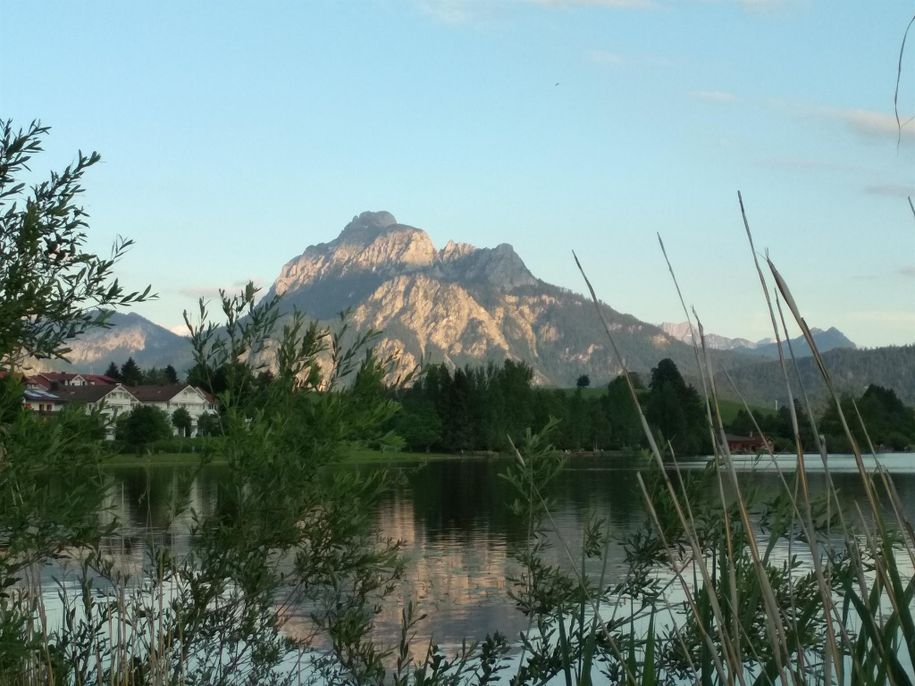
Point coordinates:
pixel 458 532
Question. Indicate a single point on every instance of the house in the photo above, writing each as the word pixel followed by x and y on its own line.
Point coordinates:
pixel 114 400
pixel 41 401
pixel 747 444
pixel 49 392
pixel 169 398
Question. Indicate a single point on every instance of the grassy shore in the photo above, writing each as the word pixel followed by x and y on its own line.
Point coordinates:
pixel 355 456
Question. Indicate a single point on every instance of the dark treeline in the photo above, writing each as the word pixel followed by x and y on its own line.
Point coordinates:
pixel 877 415
pixel 481 408
pixel 130 374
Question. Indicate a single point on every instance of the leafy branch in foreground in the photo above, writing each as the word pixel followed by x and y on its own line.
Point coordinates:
pixel 51 288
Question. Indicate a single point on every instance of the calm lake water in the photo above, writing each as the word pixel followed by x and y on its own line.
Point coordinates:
pixel 458 531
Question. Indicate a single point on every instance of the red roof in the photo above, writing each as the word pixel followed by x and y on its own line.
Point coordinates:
pixel 45 379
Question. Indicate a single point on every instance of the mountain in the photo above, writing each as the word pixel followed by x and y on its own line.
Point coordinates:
pixel 830 339
pixel 129 335
pixel 851 371
pixel 681 331
pixel 465 305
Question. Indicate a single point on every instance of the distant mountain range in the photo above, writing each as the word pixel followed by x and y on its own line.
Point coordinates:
pixel 829 339
pixel 461 305
pixel 129 335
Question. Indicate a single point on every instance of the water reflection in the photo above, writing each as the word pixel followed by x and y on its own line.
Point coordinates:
pixel 455 522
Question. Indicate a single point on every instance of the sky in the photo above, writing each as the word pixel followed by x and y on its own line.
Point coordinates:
pixel 234 135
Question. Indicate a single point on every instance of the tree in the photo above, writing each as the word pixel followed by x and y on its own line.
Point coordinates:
pixel 131 374
pixel 171 376
pixel 583 381
pixel 144 425
pixel 625 427
pixel 418 423
pixel 181 419
pixel 51 288
pixel 113 372
pixel 208 425
pixel 674 409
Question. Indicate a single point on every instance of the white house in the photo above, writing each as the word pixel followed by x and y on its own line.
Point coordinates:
pixel 114 400
pixel 41 401
pixel 170 398
pixel 49 392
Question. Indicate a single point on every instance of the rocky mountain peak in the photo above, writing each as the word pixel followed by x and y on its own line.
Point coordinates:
pixel 366 227
pixel 455 251
pixel 498 267
pixel 374 247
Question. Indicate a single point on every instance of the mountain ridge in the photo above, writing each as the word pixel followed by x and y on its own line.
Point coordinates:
pixel 828 339
pixel 457 304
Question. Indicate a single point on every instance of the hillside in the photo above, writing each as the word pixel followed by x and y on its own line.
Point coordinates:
pixel 851 370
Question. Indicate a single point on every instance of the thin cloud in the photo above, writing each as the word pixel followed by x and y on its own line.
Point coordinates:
pixel 464 11
pixel 608 58
pixel 762 5
pixel 907 271
pixel 714 97
pixel 453 11
pixel 610 4
pixel 197 292
pixel 893 190
pixel 209 292
pixel 804 164
pixel 605 57
pixel 892 317
pixel 870 124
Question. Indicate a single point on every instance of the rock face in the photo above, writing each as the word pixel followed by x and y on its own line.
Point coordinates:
pixel 462 305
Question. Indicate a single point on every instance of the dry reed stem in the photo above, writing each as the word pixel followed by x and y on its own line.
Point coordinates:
pixel 703 372
pixel 825 589
pixel 899 123
pixel 678 573
pixel 773 616
pixel 688 529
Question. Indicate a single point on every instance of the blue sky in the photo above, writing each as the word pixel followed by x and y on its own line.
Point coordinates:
pixel 233 135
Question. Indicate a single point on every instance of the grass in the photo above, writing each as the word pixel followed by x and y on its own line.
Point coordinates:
pixel 355 456
pixel 730 408
pixel 157 460
pixel 367 456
